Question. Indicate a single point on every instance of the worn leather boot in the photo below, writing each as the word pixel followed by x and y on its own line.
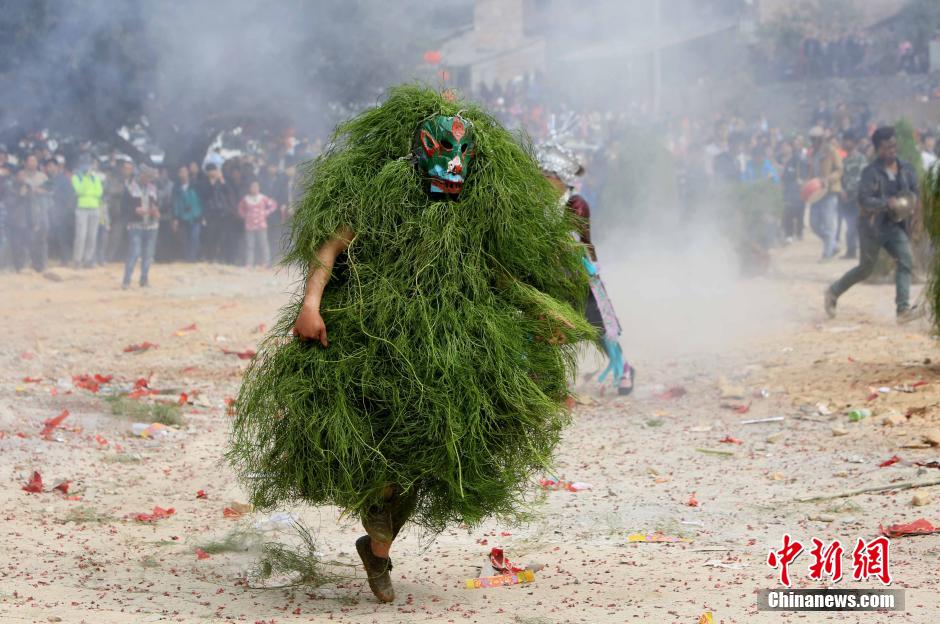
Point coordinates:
pixel 377 570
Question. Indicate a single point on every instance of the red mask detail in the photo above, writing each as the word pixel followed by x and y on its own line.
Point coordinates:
pixel 457 128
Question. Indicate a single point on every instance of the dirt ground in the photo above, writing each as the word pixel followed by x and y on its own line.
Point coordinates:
pixel 82 557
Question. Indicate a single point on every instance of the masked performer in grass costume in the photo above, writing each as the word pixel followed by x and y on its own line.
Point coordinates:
pixel 439 263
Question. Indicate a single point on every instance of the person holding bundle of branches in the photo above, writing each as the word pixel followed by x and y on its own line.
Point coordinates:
pixel 426 379
pixel 887 197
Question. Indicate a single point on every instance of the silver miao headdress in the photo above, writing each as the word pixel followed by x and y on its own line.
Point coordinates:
pixel 555 156
pixel 555 159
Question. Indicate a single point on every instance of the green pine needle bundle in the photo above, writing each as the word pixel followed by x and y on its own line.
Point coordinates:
pixel 444 375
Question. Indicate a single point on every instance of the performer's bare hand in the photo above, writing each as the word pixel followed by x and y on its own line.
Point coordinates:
pixel 310 326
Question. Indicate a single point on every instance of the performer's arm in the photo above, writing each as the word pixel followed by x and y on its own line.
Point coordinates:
pixel 309 324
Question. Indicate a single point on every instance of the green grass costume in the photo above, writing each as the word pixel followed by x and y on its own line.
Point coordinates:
pixel 441 378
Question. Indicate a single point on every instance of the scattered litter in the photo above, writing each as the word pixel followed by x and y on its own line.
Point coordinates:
pixel 823 409
pixel 201 554
pixel 839 431
pixel 32 379
pixel 151 431
pixel 501 563
pixel 918 527
pixel 656 537
pixel 884 390
pixel 140 348
pixel 740 409
pixel 729 440
pixel 182 331
pixel 158 514
pixel 822 518
pixel 893 419
pixel 50 425
pixel 757 421
pixel 856 459
pixel 236 509
pixel 889 462
pixel 570 486
pixel 201 494
pixel 715 452
pixel 693 523
pixel 916 411
pixel 35 484
pixel 692 502
pixel 775 437
pixel 729 392
pixel 525 576
pixel 930 464
pixel 859 414
pixel 671 393
pixel 920 499
pixel 706 618
pixel 247 354
pixel 715 563
pixel 280 520
pixel 931 437
pixel 62 487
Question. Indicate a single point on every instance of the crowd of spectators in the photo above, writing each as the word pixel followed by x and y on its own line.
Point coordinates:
pixel 86 211
pixel 233 207
pixel 847 55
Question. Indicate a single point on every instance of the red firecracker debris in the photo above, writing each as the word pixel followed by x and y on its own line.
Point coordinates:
pixel 50 424
pixel 103 379
pixel 35 484
pixel 229 406
pixel 201 554
pixel 872 396
pixel 158 514
pixel 139 348
pixel 918 527
pixel 85 382
pixel 228 512
pixel 63 487
pixel 888 462
pixel 182 331
pixel 184 399
pixel 201 494
pixel 247 354
pixel 100 440
pixel 501 563
pixel 730 440
pixel 32 379
pixel 918 384
pixel 692 502
pixel 672 393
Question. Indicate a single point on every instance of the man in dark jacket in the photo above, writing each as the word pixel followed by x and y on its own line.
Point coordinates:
pixel 218 203
pixel 887 196
pixel 62 214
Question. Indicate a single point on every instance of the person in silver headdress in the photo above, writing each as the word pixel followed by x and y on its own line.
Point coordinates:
pixel 561 168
